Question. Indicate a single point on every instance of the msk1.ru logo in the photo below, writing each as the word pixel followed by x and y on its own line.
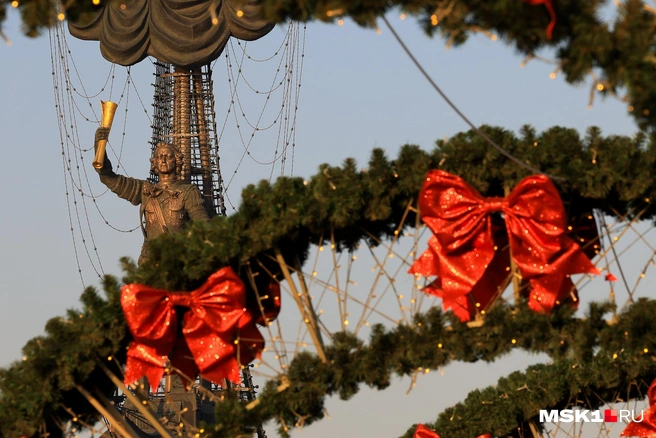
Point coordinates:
pixel 587 416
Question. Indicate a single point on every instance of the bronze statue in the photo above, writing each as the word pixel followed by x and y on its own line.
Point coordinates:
pixel 166 206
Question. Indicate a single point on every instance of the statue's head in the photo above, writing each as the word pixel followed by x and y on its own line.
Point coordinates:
pixel 166 159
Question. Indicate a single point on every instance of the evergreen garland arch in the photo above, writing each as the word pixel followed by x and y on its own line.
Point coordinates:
pixel 357 204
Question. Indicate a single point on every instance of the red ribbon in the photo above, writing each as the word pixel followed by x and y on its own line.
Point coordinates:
pixel 219 333
pixel 552 13
pixel 646 426
pixel 469 251
pixel 424 432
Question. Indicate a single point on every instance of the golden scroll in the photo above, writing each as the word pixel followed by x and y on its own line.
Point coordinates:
pixel 108 111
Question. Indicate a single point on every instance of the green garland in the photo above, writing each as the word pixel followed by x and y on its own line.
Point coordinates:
pixel 623 54
pixel 354 204
pixel 608 357
pixel 507 408
pixel 291 214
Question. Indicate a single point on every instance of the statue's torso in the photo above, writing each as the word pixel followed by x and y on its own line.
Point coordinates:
pixel 170 199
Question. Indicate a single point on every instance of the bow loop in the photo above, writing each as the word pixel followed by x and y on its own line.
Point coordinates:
pixel 645 425
pixel 157 326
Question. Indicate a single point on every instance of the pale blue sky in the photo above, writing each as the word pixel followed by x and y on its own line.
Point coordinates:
pixel 359 91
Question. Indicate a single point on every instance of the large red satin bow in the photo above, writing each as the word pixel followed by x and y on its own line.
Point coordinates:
pixel 218 332
pixel 424 432
pixel 646 426
pixel 469 249
pixel 552 13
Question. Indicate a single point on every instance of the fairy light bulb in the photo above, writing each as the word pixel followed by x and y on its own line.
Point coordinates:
pixel 96 2
pixel 240 13
pixel 14 4
pixel 61 16
pixel 403 16
pixel 600 87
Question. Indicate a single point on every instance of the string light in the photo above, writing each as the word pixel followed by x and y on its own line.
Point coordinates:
pixel 96 2
pixel 403 16
pixel 61 16
pixel 240 13
pixel 334 12
pixel 14 4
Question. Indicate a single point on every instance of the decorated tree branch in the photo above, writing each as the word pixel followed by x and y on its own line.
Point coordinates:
pixel 621 54
pixel 610 174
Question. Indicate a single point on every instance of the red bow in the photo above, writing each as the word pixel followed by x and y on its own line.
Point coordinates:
pixel 218 331
pixel 424 432
pixel 646 426
pixel 469 251
pixel 552 13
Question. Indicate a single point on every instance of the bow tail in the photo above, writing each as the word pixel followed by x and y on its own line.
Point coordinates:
pixel 424 432
pixel 553 286
pixel 552 14
pixel 645 427
pixel 143 360
pixel 251 342
pixel 484 291
pixel 549 291
pixel 214 356
pixel 427 264
pixel 220 358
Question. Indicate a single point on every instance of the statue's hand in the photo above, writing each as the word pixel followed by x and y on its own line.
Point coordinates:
pixel 103 134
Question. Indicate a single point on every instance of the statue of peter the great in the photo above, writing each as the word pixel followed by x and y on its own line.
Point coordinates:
pixel 165 206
